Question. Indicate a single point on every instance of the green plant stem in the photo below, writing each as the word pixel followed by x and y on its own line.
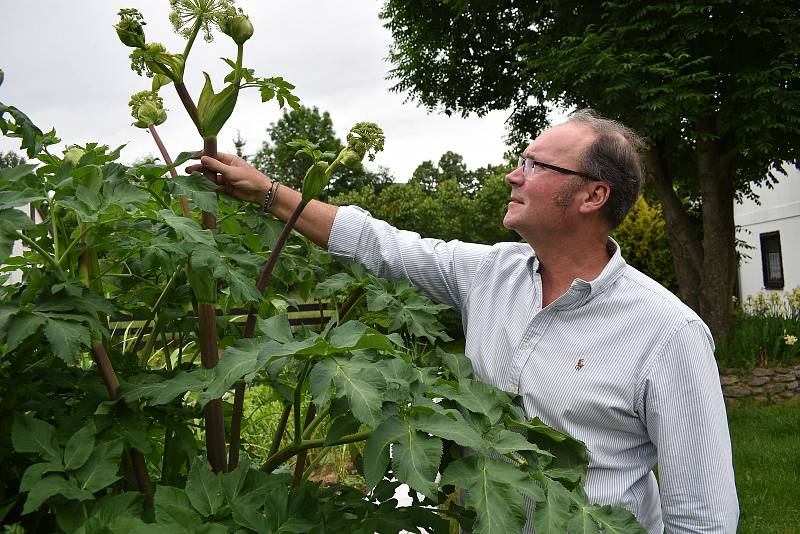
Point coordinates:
pixel 156 307
pixel 315 462
pixel 184 202
pixel 56 240
pixel 84 230
pixel 155 196
pixel 167 360
pixel 280 429
pixel 189 42
pixel 309 431
pixel 35 246
pixel 284 454
pixel 261 285
pixel 301 457
pixel 298 403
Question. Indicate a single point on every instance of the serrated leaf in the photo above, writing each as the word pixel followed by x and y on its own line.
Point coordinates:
pixel 443 426
pixel 66 338
pixel 124 195
pixel 458 364
pixel 332 285
pixel 110 508
pixel 415 460
pixel 174 510
pixel 29 434
pixel 234 481
pixel 616 520
pixel 34 474
pixel 376 450
pixel 80 446
pixel 493 490
pixel 506 441
pixel 476 397
pixel 50 486
pixel 363 386
pixel 241 288
pixel 552 514
pixel 15 199
pixel 21 327
pixel 247 512
pixel 17 172
pixel 582 522
pixel 277 327
pixel 164 391
pixel 319 381
pixel 199 189
pixel 188 229
pixel 100 470
pixel 354 335
pixel 235 364
pixel 204 489
pixel 342 426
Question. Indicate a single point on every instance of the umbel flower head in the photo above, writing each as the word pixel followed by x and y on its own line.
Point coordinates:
pixel 365 138
pixel 154 59
pixel 185 14
pixel 130 28
pixel 148 109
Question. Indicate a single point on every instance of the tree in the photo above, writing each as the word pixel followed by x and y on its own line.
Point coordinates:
pixel 10 159
pixel 281 161
pixel 714 86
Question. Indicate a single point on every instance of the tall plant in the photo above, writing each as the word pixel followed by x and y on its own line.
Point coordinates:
pixel 116 244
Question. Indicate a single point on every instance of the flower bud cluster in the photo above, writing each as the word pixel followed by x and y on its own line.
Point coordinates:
pixel 148 109
pixel 364 139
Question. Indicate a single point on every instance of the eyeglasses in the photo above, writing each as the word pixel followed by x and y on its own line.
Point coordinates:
pixel 529 165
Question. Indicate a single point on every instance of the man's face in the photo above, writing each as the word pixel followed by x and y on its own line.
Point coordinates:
pixel 546 200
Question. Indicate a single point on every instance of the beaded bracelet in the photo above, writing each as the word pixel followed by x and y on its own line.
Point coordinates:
pixel 272 194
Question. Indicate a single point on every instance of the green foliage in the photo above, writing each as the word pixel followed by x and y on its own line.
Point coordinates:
pixel 765 332
pixel 642 236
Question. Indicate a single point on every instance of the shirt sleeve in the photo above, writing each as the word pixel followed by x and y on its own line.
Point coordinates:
pixel 687 422
pixel 442 270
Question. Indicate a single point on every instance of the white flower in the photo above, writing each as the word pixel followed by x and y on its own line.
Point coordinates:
pixel 790 339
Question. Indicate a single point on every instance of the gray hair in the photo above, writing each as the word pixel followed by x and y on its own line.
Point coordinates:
pixel 613 157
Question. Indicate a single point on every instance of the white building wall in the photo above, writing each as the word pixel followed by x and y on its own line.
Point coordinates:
pixel 779 210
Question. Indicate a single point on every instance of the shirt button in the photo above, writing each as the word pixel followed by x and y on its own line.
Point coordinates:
pixel 525 346
pixel 513 388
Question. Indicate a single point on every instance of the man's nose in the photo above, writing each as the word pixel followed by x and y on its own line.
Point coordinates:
pixel 515 177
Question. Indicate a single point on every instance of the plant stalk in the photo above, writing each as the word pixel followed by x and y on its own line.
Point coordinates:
pixel 284 454
pixel 280 429
pixel 184 202
pixel 188 103
pixel 214 417
pixel 299 467
pixel 261 285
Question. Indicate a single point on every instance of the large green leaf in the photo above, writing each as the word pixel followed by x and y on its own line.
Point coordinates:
pixel 332 285
pixel 453 428
pixel 21 327
pixel 277 328
pixel 164 391
pixel 204 489
pixel 34 474
pixel 552 514
pixel 80 446
pixel 66 338
pixel 363 385
pixel 494 490
pixel 234 481
pixel 247 512
pixel 236 363
pixel 111 509
pixel 505 441
pixel 476 397
pixel 100 470
pixel 199 189
pixel 354 335
pixel 11 221
pixel 319 381
pixel 174 510
pixel 415 460
pixel 570 455
pixel 187 229
pixel 458 364
pixel 50 486
pixel 376 451
pixel 29 434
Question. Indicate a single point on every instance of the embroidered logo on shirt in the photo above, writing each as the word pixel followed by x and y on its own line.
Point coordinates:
pixel 579 365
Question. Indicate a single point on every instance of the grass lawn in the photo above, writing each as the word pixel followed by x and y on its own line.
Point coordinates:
pixel 766 443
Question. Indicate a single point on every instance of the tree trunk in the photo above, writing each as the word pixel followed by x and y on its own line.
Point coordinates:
pixel 719 231
pixel 684 242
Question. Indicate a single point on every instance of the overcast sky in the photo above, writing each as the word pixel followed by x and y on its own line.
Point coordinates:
pixel 65 68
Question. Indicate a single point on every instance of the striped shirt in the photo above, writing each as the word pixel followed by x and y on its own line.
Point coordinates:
pixel 618 362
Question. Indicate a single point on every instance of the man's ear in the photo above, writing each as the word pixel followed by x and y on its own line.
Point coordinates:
pixel 594 195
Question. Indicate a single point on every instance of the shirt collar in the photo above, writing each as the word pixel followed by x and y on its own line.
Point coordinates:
pixel 581 291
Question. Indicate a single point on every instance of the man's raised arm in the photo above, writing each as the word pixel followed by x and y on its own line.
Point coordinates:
pixel 243 181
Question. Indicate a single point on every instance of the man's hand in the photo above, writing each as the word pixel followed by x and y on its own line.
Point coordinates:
pixel 237 177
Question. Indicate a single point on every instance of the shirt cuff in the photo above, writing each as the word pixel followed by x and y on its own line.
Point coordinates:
pixel 346 231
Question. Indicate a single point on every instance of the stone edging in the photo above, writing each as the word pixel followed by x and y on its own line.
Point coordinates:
pixel 760 384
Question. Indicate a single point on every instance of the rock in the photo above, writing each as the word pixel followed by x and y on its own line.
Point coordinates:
pixel 774 388
pixel 727 380
pixel 759 380
pixel 760 371
pixel 791 386
pixel 788 395
pixel 784 378
pixel 736 391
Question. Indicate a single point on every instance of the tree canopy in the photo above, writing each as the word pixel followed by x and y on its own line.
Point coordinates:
pixel 713 85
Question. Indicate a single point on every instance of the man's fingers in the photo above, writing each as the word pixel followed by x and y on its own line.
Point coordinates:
pixel 213 164
pixel 193 168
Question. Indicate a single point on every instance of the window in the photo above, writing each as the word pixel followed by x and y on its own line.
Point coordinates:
pixel 771 260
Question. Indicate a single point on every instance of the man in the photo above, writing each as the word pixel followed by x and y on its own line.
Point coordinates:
pixel 594 347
